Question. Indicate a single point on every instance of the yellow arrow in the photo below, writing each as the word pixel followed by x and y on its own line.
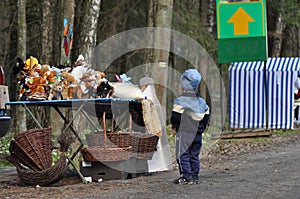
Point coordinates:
pixel 240 20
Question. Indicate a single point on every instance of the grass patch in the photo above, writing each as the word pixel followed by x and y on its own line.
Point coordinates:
pixel 4 149
pixel 284 133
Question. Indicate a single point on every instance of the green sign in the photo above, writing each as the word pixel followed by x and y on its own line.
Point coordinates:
pixel 241 30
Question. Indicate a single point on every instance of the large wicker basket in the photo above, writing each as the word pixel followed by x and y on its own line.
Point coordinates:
pixel 142 145
pixel 31 153
pixel 45 177
pixel 33 148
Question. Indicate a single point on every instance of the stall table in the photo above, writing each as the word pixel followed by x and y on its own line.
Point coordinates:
pixel 88 107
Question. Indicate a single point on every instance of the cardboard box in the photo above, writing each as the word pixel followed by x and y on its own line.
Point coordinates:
pixel 4 97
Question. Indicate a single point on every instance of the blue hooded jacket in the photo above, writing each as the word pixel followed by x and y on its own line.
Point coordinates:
pixel 190 112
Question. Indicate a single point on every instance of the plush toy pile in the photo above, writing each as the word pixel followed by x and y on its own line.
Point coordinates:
pixel 44 82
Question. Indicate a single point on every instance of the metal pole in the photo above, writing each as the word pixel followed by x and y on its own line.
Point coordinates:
pixel 266 94
pixel 221 95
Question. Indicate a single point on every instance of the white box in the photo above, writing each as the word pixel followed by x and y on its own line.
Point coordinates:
pixel 4 97
pixel 88 179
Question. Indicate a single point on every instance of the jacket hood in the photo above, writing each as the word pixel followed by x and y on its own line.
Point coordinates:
pixel 190 79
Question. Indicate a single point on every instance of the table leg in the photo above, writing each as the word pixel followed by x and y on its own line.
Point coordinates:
pixel 70 126
pixel 33 117
pixel 79 173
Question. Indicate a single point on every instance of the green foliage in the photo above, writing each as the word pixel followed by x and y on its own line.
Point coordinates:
pixel 187 20
pixel 4 149
pixel 55 155
pixel 171 135
pixel 290 10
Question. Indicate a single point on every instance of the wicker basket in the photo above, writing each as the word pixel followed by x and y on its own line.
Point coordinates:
pixel 142 145
pixel 104 154
pixel 45 177
pixel 121 139
pixel 33 148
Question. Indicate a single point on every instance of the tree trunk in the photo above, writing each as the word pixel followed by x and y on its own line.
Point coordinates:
pixel 159 15
pixel 277 42
pixel 47 24
pixel 85 23
pixel 289 42
pixel 19 121
pixel 206 11
pixel 211 21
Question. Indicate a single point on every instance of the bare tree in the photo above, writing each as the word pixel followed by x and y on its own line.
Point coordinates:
pixel 19 120
pixel 277 39
pixel 159 15
pixel 85 24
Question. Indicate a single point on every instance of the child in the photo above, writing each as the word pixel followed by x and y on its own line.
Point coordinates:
pixel 189 118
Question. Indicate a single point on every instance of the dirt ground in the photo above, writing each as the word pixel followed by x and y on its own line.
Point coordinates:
pixel 231 169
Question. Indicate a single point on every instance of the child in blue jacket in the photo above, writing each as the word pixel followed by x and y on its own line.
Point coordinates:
pixel 190 116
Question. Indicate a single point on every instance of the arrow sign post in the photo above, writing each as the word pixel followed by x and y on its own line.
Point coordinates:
pixel 241 32
pixel 240 19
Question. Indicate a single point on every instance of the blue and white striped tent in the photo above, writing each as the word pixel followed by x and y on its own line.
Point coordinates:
pixel 248 87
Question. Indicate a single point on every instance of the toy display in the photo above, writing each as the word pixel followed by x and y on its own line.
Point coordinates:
pixel 44 82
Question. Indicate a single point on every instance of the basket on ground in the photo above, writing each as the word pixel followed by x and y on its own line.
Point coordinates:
pixel 31 153
pixel 45 177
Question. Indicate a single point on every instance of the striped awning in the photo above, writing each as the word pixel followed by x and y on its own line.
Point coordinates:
pixel 259 99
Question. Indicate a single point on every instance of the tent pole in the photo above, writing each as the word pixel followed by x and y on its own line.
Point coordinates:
pixel 266 94
pixel 221 95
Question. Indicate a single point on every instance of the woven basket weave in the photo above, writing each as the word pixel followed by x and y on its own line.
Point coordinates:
pixel 142 145
pixel 104 154
pixel 45 177
pixel 33 148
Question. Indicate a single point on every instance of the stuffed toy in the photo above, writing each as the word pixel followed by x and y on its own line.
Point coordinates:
pixel 68 78
pixel 125 79
pixel 56 92
pixel 31 63
pixel 86 86
pixel 50 76
pixel 104 90
pixel 21 76
pixel 37 84
pixel 71 83
pixel 100 76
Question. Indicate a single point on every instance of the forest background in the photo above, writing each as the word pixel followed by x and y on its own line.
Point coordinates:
pixel 35 28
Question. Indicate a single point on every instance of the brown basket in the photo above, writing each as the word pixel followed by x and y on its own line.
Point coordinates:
pixel 104 154
pixel 121 139
pixel 142 145
pixel 45 177
pixel 33 148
